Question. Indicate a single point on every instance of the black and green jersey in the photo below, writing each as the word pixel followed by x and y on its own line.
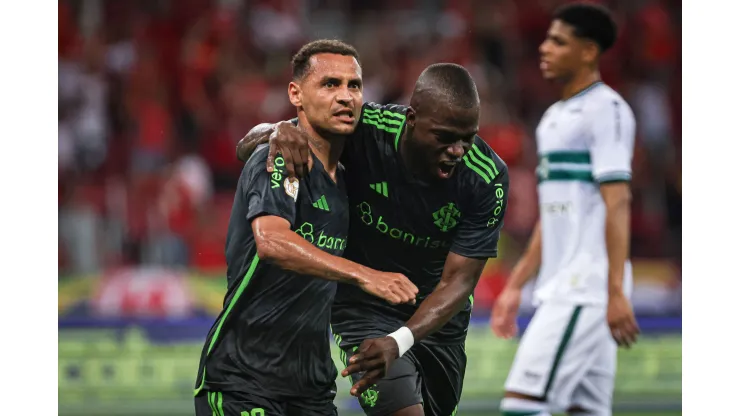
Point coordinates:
pixel 400 224
pixel 272 337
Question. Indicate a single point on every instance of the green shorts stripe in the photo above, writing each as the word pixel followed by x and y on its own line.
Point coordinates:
pixel 561 349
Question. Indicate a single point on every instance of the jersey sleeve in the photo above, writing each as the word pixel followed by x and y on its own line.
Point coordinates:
pixel 480 227
pixel 269 193
pixel 612 141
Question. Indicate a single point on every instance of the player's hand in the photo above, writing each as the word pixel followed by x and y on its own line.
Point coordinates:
pixel 504 313
pixel 621 320
pixel 374 357
pixel 293 144
pixel 395 288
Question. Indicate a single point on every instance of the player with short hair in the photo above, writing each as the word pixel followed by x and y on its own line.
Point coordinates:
pixel 268 353
pixel 566 360
pixel 427 199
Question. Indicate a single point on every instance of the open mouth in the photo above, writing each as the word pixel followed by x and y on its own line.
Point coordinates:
pixel 445 169
pixel 345 116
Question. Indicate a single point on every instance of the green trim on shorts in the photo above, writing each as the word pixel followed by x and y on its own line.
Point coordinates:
pixel 561 348
pixel 216 401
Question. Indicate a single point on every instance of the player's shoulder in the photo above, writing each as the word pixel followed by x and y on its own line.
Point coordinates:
pixel 259 156
pixel 482 165
pixel 386 118
pixel 605 96
pixel 391 110
pixel 382 122
pixel 257 162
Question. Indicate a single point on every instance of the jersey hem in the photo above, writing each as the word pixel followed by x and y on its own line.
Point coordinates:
pixel 250 388
pixel 475 255
pixel 269 212
pixel 617 176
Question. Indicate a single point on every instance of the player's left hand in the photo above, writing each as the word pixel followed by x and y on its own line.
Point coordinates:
pixel 621 319
pixel 374 357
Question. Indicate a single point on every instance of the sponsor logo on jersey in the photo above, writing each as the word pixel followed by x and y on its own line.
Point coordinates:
pixel 306 230
pixel 382 226
pixel 499 193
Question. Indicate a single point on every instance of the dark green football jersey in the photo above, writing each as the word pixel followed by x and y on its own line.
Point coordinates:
pixel 401 224
pixel 272 337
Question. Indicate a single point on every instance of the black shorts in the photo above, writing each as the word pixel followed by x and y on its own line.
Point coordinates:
pixel 231 403
pixel 428 374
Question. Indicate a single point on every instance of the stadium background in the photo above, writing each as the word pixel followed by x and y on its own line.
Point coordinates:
pixel 154 95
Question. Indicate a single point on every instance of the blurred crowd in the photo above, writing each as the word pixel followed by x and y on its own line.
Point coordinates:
pixel 155 94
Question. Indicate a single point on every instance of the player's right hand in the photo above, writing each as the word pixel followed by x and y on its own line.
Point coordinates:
pixel 395 288
pixel 621 319
pixel 504 313
pixel 292 143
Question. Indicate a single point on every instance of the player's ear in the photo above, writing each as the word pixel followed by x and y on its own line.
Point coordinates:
pixel 410 117
pixel 294 94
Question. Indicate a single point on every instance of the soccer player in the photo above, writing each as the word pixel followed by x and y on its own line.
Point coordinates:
pixel 566 360
pixel 269 353
pixel 427 199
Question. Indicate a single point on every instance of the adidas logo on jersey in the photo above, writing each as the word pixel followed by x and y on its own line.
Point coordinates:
pixel 321 204
pixel 381 188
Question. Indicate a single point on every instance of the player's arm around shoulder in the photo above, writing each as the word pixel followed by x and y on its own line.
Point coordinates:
pixel 283 137
pixel 271 199
pixel 382 123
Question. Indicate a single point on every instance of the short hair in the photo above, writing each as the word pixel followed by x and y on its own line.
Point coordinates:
pixel 590 21
pixel 300 62
pixel 452 81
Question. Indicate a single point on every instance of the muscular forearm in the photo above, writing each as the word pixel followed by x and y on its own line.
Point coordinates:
pixel 525 268
pixel 447 300
pixel 258 135
pixel 617 242
pixel 290 251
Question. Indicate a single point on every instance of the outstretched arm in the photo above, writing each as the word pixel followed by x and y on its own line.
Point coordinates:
pixel 458 282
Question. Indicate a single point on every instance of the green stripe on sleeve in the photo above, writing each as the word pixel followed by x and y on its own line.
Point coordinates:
pixel 376 111
pixel 380 126
pixel 568 156
pixel 381 119
pixel 566 175
pixel 475 169
pixel 485 158
pixel 477 161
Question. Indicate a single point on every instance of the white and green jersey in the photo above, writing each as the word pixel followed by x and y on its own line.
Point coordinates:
pixel 582 142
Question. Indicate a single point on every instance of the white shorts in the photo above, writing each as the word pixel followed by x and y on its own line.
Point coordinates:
pixel 567 357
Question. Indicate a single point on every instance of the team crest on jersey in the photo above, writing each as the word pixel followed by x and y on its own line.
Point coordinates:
pixel 291 187
pixel 370 396
pixel 446 218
